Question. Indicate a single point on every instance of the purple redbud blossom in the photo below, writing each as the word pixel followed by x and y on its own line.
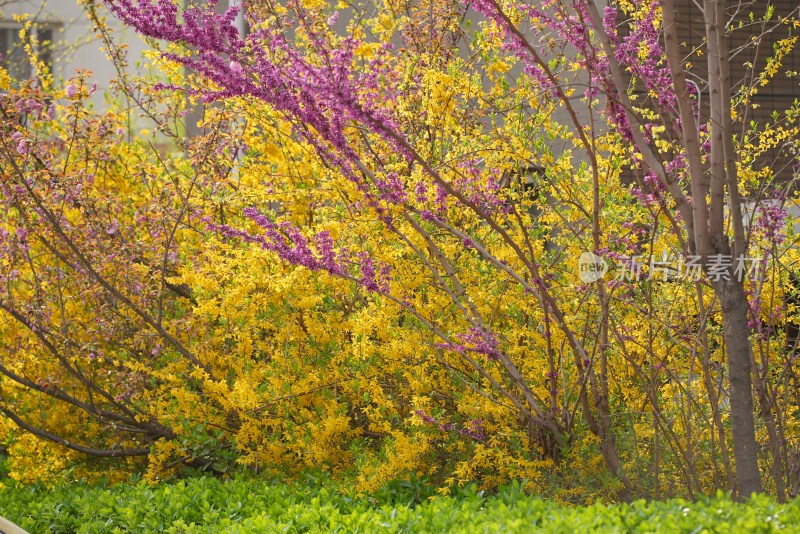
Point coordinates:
pixel 202 28
pixel 421 192
pixel 473 429
pixel 328 260
pixel 367 268
pixel 425 417
pixel 441 199
pixel 326 96
pixel 477 340
pixel 236 67
pixel 22 147
pixel 112 228
pixel 610 21
pixel 384 278
pixel 392 189
pixel 292 246
pixel 70 90
pixel 34 106
pixel 427 215
pixel 770 221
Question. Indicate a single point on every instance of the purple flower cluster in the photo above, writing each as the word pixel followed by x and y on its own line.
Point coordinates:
pixel 770 221
pixel 319 254
pixel 392 189
pixel 477 340
pixel 640 51
pixel 367 268
pixel 473 429
pixel 321 91
pixel 203 29
pixel 421 192
pixel 290 244
pixel 484 194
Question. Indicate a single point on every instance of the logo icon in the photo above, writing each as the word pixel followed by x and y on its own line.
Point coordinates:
pixel 591 267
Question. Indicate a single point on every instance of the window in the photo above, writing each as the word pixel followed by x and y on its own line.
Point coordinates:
pixel 14 56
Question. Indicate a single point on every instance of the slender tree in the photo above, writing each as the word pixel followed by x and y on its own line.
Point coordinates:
pixel 345 105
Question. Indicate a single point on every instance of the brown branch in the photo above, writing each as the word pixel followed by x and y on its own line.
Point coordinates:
pixel 49 436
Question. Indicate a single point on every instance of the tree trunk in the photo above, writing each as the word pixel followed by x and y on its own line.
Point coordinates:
pixel 737 344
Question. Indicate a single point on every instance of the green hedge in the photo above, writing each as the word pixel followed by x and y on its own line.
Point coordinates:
pixel 248 506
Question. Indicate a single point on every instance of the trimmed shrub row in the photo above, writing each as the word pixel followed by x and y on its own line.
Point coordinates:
pixel 248 506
